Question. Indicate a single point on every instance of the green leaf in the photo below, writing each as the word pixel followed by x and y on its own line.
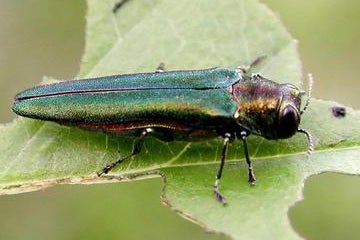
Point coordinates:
pixel 188 35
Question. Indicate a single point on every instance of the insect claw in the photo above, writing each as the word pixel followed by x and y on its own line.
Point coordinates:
pixel 220 197
pixel 252 178
pixel 217 193
pixel 105 170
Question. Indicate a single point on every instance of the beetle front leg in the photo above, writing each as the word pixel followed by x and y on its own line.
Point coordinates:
pixel 225 147
pixel 136 149
pixel 252 178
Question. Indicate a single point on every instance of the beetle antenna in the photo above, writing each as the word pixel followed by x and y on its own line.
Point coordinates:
pixel 310 142
pixel 311 81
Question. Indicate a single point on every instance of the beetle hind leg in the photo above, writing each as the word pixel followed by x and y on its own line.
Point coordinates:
pixel 136 149
pixel 225 147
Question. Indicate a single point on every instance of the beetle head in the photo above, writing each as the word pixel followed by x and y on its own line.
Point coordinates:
pixel 269 109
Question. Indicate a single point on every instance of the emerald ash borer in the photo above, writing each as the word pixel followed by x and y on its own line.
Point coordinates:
pixel 185 105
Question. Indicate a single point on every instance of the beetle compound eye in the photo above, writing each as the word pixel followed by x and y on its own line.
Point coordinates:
pixel 288 122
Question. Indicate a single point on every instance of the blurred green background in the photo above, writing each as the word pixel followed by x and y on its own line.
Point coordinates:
pixel 46 38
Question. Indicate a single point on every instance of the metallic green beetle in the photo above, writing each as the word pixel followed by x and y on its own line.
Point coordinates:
pixel 185 105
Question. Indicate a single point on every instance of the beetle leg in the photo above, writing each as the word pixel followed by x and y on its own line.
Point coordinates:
pixel 225 147
pixel 118 5
pixel 160 68
pixel 252 178
pixel 246 68
pixel 136 149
